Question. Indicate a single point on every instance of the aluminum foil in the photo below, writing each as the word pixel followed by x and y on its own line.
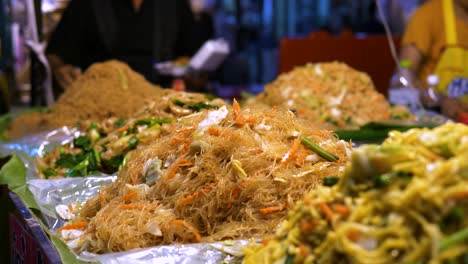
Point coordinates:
pixel 36 145
pixel 211 253
pixel 50 193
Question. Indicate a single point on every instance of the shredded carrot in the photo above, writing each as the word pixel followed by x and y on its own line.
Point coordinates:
pixel 195 195
pixel 176 164
pixel 185 163
pixel 354 235
pixel 238 117
pixel 326 211
pixel 303 250
pixel 214 131
pixel 341 123
pixel 341 209
pixel 459 196
pixel 190 227
pixel 301 111
pixel 186 129
pixel 129 196
pixel 272 209
pixel 308 201
pixel 301 156
pixel 77 225
pixel 308 226
pixel 235 193
pixel 177 140
pixel 265 242
pixel 288 156
pixel 256 151
pixel 131 206
pixel 123 128
pixel 251 120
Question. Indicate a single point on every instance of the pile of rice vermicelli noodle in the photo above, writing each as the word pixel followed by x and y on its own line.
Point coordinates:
pixel 402 202
pixel 331 95
pixel 104 145
pixel 104 90
pixel 221 174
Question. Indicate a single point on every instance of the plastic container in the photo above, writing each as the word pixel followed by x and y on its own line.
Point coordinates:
pixel 403 90
pixel 431 98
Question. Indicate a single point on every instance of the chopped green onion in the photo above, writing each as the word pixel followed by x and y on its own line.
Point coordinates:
pixel 97 156
pixel 153 121
pixel 383 180
pixel 317 149
pixel 330 180
pixel 82 142
pixel 114 162
pixel 194 107
pixel 178 102
pixel 48 172
pixel 92 126
pixel 454 239
pixel 289 259
pixel 120 122
pixel 132 143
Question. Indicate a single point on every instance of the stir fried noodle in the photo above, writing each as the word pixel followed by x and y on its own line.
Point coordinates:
pixel 222 174
pixel 402 202
pixel 331 95
pixel 104 145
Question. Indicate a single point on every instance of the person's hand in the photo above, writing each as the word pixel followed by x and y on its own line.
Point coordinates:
pixel 66 75
pixel 452 108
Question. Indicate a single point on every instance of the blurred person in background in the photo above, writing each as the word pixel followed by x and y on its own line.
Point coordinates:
pixel 436 42
pixel 138 32
pixel 398 13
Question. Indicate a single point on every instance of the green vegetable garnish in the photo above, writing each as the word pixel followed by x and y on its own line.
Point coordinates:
pixel 97 156
pixel 92 126
pixel 114 162
pixel 330 180
pixel 194 107
pixel 82 142
pixel 120 122
pixel 383 180
pixel 454 239
pixel 289 259
pixel 387 178
pixel 80 169
pixel 178 102
pixel 317 149
pixel 132 143
pixel 199 106
pixel 48 172
pixel 153 121
pixel 67 161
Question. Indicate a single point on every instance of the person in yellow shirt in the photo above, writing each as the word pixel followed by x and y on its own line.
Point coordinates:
pixel 436 42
